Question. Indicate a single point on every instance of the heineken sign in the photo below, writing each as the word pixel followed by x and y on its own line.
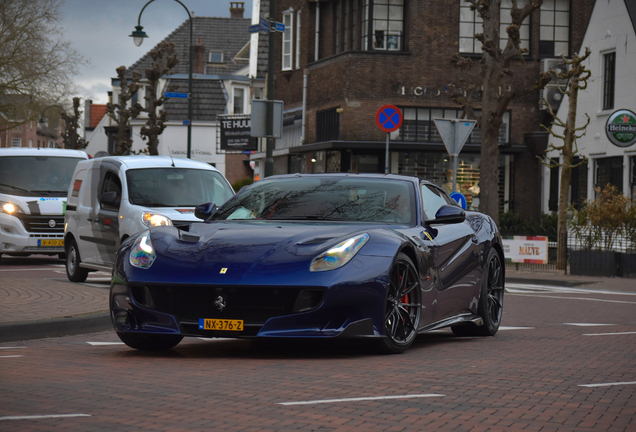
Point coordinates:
pixel 621 128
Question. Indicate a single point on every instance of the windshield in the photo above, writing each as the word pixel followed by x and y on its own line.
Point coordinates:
pixel 33 176
pixel 320 198
pixel 176 187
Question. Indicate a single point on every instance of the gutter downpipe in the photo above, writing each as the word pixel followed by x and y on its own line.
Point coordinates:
pixel 317 31
pixel 302 131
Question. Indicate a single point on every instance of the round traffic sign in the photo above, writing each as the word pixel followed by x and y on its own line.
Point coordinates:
pixel 389 118
pixel 460 198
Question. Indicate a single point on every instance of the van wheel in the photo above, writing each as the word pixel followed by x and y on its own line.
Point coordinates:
pixel 73 270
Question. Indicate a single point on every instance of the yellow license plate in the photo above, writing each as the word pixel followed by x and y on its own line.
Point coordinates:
pixel 51 242
pixel 219 324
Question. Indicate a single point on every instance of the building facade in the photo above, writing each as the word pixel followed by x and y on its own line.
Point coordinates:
pixel 339 61
pixel 608 100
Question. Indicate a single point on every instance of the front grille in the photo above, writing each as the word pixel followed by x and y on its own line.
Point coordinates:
pixel 254 305
pixel 40 224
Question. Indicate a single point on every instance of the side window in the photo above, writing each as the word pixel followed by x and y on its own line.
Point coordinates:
pixel 432 200
pixel 111 184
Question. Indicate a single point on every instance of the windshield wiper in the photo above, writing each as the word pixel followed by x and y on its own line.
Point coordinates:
pixel 15 187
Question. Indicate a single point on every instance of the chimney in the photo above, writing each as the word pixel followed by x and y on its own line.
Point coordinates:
pixel 198 61
pixel 237 9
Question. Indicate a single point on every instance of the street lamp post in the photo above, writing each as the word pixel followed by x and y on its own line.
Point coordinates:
pixel 138 37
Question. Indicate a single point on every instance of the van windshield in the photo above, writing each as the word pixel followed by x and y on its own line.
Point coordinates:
pixel 36 176
pixel 176 187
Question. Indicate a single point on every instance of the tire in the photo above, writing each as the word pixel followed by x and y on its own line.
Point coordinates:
pixel 150 342
pixel 403 306
pixel 490 300
pixel 74 272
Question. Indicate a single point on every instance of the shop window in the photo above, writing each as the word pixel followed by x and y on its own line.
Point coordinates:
pixel 288 34
pixel 609 171
pixel 554 28
pixel 633 181
pixel 470 24
pixel 382 25
pixel 578 184
pixel 609 77
pixel 418 125
pixel 553 200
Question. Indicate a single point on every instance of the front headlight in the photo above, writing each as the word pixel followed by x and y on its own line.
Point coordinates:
pixel 10 208
pixel 142 254
pixel 155 219
pixel 338 255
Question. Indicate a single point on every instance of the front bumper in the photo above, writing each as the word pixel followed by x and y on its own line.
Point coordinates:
pixel 15 238
pixel 343 310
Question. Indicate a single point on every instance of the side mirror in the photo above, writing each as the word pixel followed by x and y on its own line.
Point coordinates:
pixel 110 199
pixel 205 210
pixel 448 214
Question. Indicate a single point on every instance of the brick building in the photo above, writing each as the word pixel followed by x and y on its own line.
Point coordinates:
pixel 339 61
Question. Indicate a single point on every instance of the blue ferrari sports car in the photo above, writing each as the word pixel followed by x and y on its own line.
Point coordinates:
pixel 370 256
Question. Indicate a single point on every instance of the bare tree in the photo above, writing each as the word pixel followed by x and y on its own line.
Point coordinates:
pixel 577 77
pixel 121 113
pixel 72 140
pixel 35 61
pixel 495 83
pixel 164 59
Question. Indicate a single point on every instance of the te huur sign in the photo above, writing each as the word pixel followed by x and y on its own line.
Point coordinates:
pixel 235 133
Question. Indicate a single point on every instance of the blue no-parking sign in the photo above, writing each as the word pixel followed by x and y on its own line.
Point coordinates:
pixel 460 198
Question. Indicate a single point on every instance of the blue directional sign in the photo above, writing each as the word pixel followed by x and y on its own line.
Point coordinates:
pixel 279 27
pixel 176 95
pixel 186 122
pixel 460 198
pixel 255 28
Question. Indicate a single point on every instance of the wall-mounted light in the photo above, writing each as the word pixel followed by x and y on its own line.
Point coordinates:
pixel 313 160
pixel 339 110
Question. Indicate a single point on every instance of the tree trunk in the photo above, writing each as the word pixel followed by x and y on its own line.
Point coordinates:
pixel 490 124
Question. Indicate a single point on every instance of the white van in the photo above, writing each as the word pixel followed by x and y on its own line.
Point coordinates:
pixel 114 197
pixel 33 188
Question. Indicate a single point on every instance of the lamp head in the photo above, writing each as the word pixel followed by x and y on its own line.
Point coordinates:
pixel 138 35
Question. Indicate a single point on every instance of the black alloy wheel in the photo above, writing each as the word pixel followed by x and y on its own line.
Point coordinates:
pixel 74 272
pixel 490 300
pixel 150 342
pixel 403 306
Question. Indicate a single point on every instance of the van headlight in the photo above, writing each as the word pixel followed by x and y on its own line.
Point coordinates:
pixel 142 254
pixel 338 255
pixel 10 208
pixel 155 219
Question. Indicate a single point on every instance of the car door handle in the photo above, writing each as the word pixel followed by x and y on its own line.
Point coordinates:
pixel 89 219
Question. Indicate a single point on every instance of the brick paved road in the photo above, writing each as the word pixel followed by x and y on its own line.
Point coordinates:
pixel 523 379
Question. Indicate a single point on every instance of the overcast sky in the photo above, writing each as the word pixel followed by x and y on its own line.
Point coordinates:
pixel 100 29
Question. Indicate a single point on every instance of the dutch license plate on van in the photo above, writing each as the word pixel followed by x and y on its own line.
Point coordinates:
pixel 220 324
pixel 46 242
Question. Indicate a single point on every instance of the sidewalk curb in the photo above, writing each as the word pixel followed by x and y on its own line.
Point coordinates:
pixel 553 282
pixel 55 327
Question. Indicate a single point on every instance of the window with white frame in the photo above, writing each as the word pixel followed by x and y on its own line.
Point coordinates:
pixel 470 24
pixel 554 28
pixel 298 40
pixel 238 100
pixel 288 34
pixel 16 142
pixel 386 21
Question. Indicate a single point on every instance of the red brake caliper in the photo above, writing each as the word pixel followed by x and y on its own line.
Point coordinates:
pixel 404 299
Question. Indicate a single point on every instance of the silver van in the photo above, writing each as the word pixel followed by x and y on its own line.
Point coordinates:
pixel 111 198
pixel 33 187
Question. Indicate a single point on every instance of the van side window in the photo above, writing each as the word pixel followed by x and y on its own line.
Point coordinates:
pixel 111 184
